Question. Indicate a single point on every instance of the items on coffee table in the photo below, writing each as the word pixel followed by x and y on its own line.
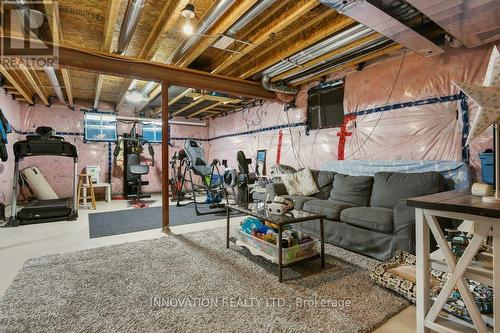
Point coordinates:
pixel 268 232
pixel 280 206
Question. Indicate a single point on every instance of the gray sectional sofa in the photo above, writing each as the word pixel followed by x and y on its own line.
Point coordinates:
pixel 366 214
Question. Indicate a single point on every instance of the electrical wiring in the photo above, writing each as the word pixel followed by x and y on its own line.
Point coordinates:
pixel 381 113
pixel 296 153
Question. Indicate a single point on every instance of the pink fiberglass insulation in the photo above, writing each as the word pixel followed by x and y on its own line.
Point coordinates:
pixel 425 132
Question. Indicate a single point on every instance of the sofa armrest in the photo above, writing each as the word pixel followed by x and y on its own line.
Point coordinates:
pixel 404 227
pixel 276 189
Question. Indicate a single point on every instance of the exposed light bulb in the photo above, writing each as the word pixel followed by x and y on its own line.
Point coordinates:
pixel 135 97
pixel 188 28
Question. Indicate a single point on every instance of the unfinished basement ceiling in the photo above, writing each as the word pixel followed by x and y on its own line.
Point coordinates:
pixel 291 41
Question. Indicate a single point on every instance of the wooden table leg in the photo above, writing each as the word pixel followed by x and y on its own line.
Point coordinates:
pixel 322 238
pixel 228 213
pixel 280 253
pixel 423 270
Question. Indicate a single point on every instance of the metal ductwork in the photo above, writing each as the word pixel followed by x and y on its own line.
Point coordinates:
pixel 249 16
pixel 338 40
pixel 54 82
pixel 370 15
pixel 471 22
pixel 214 15
pixel 338 61
pixel 277 87
pixel 130 21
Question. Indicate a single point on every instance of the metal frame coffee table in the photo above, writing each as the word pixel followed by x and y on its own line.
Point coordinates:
pixel 258 210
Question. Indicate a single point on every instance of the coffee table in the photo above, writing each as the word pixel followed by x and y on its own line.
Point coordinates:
pixel 259 211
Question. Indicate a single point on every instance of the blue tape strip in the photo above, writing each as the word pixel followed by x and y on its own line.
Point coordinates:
pixel 396 106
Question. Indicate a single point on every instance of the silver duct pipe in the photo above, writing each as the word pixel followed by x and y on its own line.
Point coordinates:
pixel 249 16
pixel 344 58
pixel 360 47
pixel 319 49
pixel 277 87
pixel 214 15
pixel 51 74
pixel 130 21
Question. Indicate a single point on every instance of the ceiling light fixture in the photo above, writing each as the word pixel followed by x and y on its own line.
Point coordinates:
pixel 188 14
pixel 135 96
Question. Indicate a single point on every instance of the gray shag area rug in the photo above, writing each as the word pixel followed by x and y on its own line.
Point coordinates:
pixel 192 283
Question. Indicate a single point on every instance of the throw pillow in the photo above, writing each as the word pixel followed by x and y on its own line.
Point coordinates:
pixel 300 183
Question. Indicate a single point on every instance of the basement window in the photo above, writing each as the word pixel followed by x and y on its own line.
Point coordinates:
pixel 325 105
pixel 99 127
pixel 151 132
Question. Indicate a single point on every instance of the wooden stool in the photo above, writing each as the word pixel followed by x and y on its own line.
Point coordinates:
pixel 84 182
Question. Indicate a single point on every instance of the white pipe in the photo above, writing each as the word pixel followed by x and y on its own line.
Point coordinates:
pixel 51 74
pixel 130 21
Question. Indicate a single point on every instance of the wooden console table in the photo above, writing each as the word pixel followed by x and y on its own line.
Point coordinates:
pixel 460 205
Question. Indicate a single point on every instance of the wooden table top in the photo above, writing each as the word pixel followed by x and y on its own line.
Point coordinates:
pixel 458 201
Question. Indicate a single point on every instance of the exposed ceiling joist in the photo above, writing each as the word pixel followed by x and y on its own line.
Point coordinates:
pixel 340 23
pixel 187 107
pixel 220 27
pixel 287 17
pixel 109 27
pixel 285 41
pixel 67 83
pixel 350 64
pixel 35 83
pixel 166 21
pixel 16 83
pixel 191 115
pixel 178 97
pixel 214 98
pixel 326 56
pixel 268 14
pixel 57 37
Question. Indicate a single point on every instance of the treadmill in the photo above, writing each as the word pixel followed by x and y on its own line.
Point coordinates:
pixel 44 143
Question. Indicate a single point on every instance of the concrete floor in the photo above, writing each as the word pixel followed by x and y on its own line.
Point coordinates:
pixel 21 243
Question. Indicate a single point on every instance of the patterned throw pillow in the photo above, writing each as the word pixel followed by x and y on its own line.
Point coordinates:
pixel 300 183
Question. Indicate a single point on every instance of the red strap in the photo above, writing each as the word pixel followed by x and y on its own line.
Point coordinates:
pixel 280 143
pixel 343 134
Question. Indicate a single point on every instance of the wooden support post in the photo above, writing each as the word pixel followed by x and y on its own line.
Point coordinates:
pixel 164 158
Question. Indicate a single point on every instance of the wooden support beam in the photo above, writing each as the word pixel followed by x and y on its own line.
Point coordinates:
pixel 351 63
pixel 338 24
pixel 18 85
pixel 35 83
pixel 166 21
pixel 109 27
pixel 285 19
pixel 326 56
pixel 67 84
pixel 165 184
pixel 112 64
pixel 270 12
pixel 203 110
pixel 285 42
pixel 187 107
pixel 220 27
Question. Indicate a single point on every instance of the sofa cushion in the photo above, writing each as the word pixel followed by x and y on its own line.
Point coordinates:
pixel 391 187
pixel 324 180
pixel 371 218
pixel 300 183
pixel 331 209
pixel 354 190
pixel 298 200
